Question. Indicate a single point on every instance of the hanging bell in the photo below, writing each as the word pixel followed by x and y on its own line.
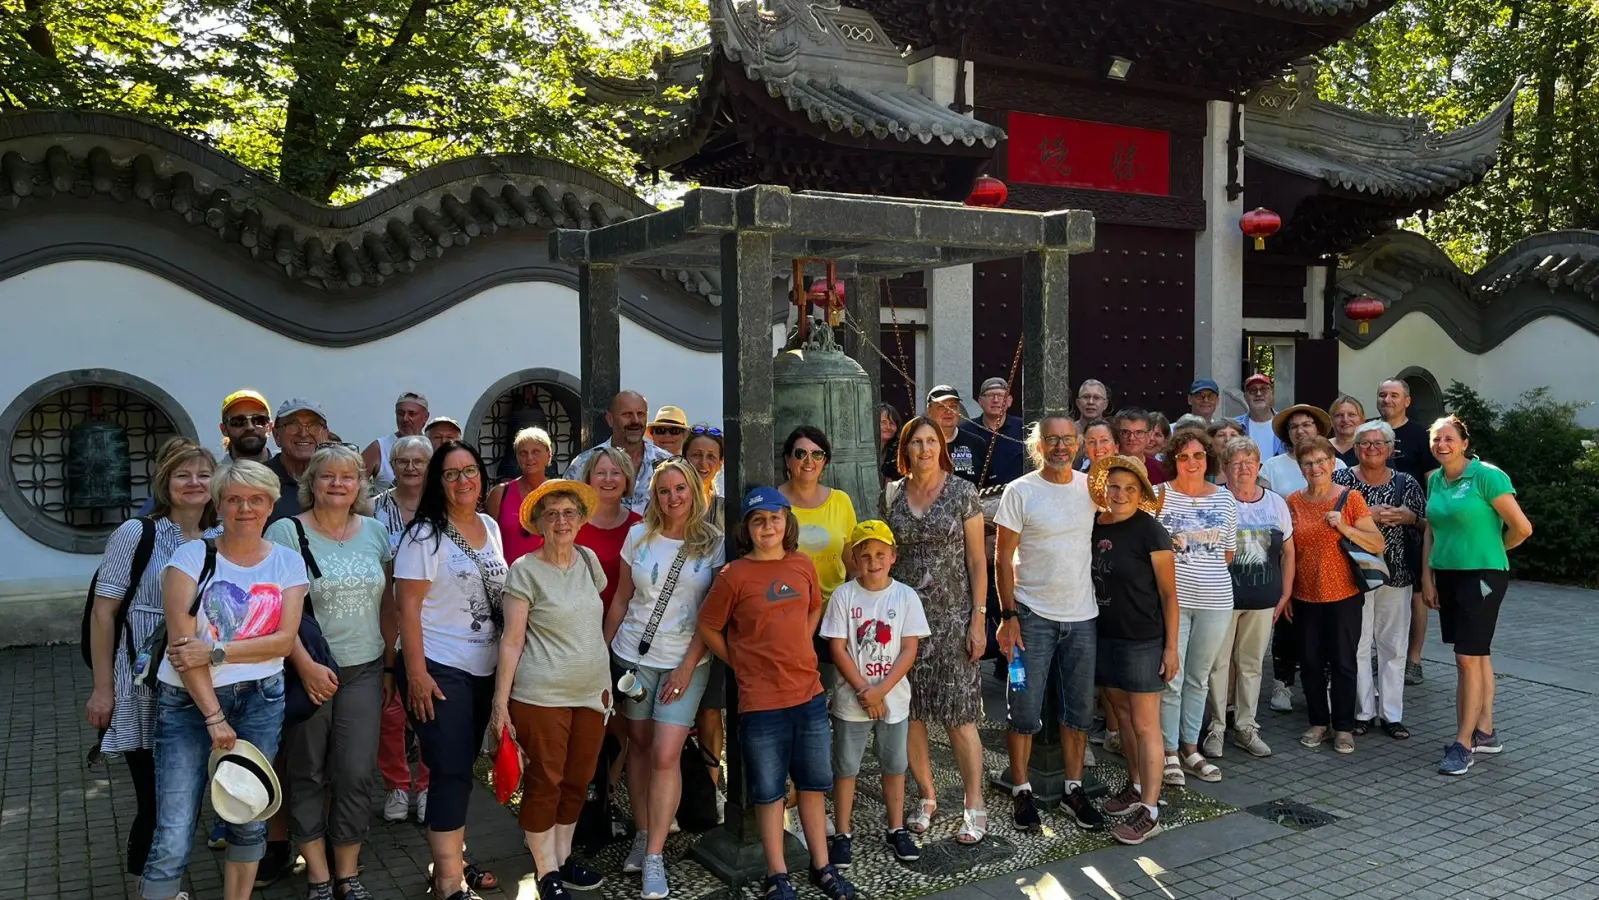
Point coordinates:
pixel 99 468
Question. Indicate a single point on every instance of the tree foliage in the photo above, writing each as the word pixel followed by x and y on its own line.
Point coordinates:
pixel 337 97
pixel 1453 61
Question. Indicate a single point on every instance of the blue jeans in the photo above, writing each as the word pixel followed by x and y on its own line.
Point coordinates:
pixel 1182 705
pixel 1066 647
pixel 182 751
pixel 779 744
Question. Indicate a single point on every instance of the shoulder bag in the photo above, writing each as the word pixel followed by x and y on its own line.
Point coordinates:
pixel 297 704
pixel 1369 569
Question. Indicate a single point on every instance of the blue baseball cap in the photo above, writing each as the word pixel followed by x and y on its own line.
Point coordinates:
pixel 765 499
pixel 1203 384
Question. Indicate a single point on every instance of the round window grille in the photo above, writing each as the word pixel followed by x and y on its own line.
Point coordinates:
pixel 81 454
pixel 549 406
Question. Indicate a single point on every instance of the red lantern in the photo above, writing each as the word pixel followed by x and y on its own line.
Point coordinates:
pixel 1260 223
pixel 1363 309
pixel 988 192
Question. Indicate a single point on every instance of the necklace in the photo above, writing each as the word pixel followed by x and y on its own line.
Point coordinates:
pixel 341 535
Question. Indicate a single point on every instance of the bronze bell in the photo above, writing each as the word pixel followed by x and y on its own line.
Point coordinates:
pixel 99 470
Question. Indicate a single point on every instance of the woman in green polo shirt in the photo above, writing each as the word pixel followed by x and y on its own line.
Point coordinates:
pixel 1473 519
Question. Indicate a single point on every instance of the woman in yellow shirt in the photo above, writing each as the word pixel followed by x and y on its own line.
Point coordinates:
pixel 826 516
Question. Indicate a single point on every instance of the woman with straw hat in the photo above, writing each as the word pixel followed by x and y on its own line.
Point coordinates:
pixel 1135 584
pixel 552 689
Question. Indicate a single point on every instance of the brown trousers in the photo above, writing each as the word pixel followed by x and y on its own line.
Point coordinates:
pixel 562 745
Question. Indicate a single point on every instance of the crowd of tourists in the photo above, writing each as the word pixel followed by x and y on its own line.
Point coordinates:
pixel 276 628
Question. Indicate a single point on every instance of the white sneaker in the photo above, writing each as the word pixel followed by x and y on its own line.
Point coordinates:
pixel 1211 746
pixel 635 856
pixel 1249 739
pixel 422 807
pixel 397 807
pixel 1089 761
pixel 1282 700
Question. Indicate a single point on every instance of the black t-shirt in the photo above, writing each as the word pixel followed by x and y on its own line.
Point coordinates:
pixel 1124 578
pixel 289 499
pixel 1006 465
pixel 1412 451
pixel 968 451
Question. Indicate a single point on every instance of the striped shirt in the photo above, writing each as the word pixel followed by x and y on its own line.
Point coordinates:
pixel 133 717
pixel 1203 531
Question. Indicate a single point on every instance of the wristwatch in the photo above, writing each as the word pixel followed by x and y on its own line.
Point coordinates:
pixel 219 653
pixel 1007 614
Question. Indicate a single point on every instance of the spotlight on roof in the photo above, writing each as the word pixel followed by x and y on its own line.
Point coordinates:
pixel 1119 67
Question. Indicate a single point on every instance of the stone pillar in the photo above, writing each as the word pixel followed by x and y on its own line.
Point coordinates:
pixel 732 851
pixel 1219 262
pixel 862 333
pixel 1316 301
pixel 600 345
pixel 949 291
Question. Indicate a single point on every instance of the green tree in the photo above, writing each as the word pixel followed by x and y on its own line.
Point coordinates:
pixel 338 97
pixel 1453 61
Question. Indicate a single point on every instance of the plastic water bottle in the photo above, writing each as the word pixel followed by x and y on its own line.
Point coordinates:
pixel 1018 671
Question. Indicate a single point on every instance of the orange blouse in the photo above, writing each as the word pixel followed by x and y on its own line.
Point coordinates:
pixel 1321 571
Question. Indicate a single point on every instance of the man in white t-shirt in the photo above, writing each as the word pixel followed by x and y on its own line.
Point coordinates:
pixel 1046 596
pixel 1259 423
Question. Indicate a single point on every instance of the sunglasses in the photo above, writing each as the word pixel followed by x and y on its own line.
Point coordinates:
pixel 799 454
pixel 669 430
pixel 706 429
pixel 345 444
pixel 257 421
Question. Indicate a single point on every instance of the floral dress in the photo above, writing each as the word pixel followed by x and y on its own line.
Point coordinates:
pixel 945 684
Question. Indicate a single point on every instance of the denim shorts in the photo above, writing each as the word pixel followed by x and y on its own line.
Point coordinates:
pixel 680 711
pixel 182 753
pixel 787 743
pixel 849 746
pixel 1131 666
pixel 1066 647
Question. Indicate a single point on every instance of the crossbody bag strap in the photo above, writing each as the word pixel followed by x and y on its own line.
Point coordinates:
pixel 311 567
pixel 660 604
pixel 490 592
pixel 206 572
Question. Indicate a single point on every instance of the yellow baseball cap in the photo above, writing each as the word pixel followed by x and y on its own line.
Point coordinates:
pixel 871 530
pixel 246 394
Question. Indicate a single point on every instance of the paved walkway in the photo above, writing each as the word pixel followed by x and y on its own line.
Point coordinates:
pixel 1524 824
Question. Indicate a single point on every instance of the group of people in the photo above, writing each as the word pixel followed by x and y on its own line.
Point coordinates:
pixel 277 624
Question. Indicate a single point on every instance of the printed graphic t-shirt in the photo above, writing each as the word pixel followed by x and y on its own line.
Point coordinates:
pixel 765 607
pixel 460 618
pixel 823 531
pixel 1264 525
pixel 968 452
pixel 872 624
pixel 347 597
pixel 1124 578
pixel 1203 530
pixel 237 603
pixel 650 562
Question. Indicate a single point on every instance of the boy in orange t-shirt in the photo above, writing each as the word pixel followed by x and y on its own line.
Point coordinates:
pixel 759 618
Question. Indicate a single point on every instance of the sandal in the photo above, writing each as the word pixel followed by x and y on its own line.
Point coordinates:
pixel 831 883
pixel 351 889
pixel 479 879
pixel 1396 730
pixel 974 827
pixel 922 819
pixel 1344 742
pixel 778 887
pixel 1173 773
pixel 1314 736
pixel 1361 727
pixel 1200 767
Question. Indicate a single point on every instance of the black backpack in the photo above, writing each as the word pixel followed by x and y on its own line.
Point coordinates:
pixel 141 561
pixel 696 807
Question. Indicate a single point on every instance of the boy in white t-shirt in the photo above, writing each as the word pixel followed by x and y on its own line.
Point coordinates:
pixel 873 624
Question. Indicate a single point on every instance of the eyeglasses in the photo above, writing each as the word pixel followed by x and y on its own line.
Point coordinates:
pixel 1058 440
pixel 1091 396
pixel 669 430
pixel 257 421
pixel 253 501
pixel 706 429
pixel 1135 433
pixel 345 444
pixel 561 515
pixel 1191 457
pixel 1314 462
pixel 403 463
pixel 469 473
pixel 302 425
pixel 800 454
pixel 1371 445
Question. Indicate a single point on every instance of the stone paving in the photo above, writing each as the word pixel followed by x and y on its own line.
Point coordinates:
pixel 1523 824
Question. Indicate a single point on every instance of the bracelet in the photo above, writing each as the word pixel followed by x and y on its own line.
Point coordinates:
pixel 216 718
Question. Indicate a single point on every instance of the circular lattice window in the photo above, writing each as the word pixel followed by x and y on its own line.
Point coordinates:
pixel 81 454
pixel 505 410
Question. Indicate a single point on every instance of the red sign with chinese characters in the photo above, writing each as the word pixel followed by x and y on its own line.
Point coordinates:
pixel 1074 153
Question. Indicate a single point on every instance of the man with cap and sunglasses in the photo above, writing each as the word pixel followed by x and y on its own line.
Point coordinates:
pixel 1259 423
pixel 1204 396
pixel 966 450
pixel 1000 433
pixel 246 425
pixel 410 413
